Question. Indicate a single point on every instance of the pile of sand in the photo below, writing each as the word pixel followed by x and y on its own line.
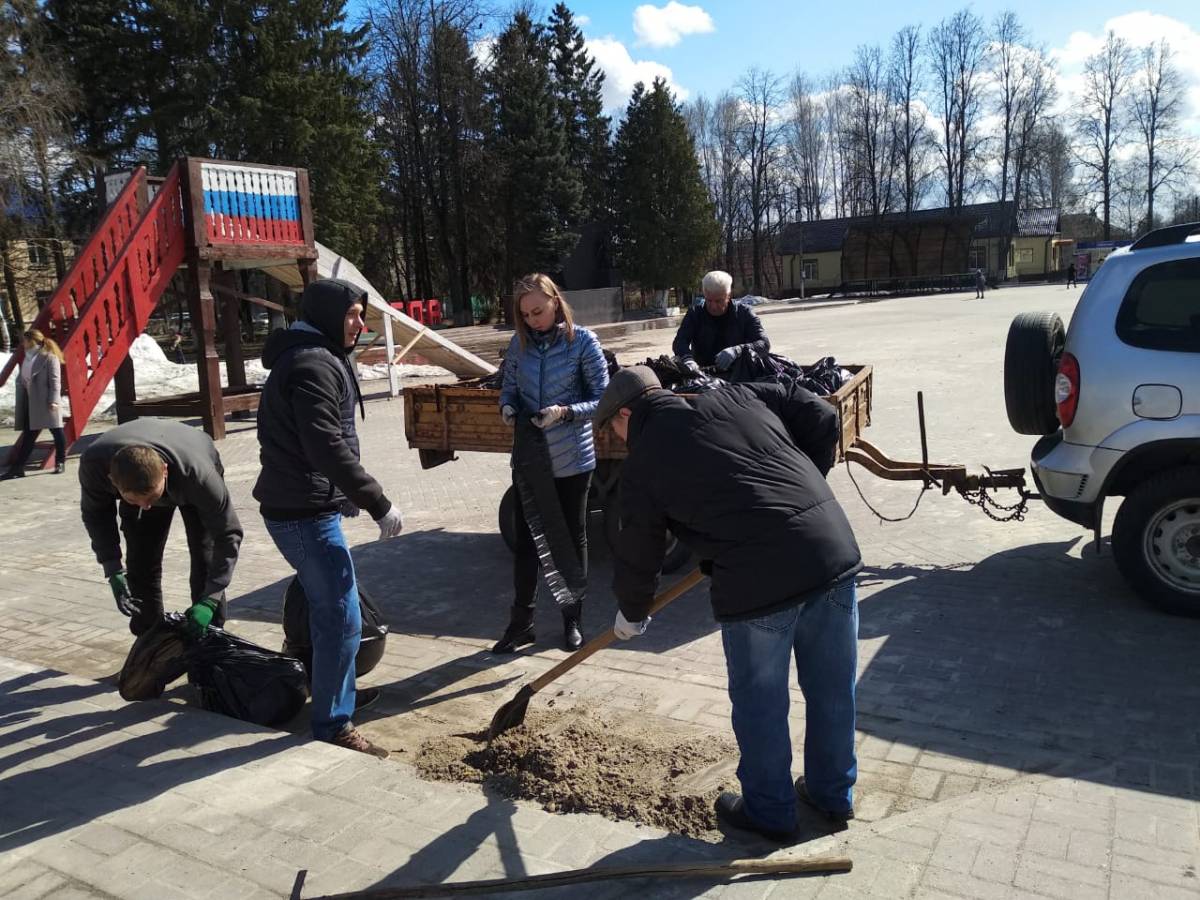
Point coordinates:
pixel 574 762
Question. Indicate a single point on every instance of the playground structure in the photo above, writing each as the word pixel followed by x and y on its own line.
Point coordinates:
pixel 212 218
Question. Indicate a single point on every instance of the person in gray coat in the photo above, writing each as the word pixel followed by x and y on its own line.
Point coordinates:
pixel 39 402
pixel 137 474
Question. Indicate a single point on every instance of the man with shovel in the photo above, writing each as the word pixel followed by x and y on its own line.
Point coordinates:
pixel 738 475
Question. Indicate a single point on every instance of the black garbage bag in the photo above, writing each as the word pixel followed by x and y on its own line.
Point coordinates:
pixel 297 639
pixel 157 658
pixel 240 679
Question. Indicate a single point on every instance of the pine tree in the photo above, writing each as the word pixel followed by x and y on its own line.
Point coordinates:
pixel 666 228
pixel 540 192
pixel 578 88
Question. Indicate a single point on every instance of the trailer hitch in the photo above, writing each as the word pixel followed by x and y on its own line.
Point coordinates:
pixel 972 487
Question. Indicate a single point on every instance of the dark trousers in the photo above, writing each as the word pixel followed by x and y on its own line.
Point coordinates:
pixel 572 495
pixel 146 533
pixel 29 439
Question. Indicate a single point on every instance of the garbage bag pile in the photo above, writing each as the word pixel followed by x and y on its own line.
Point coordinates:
pixel 297 640
pixel 823 377
pixel 678 378
pixel 230 675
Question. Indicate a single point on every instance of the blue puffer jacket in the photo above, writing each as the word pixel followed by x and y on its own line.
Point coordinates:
pixel 559 373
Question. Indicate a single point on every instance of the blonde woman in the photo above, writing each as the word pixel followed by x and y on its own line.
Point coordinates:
pixel 39 395
pixel 553 376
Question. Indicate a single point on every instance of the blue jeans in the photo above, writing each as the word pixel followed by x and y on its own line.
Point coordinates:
pixel 822 633
pixel 316 549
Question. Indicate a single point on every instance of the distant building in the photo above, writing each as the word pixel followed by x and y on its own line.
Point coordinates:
pixel 33 274
pixel 927 244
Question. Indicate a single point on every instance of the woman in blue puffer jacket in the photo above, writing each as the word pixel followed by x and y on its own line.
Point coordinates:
pixel 554 374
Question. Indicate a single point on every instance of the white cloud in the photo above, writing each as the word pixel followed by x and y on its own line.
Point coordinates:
pixel 1140 29
pixel 622 72
pixel 666 26
pixel 482 50
pixel 583 21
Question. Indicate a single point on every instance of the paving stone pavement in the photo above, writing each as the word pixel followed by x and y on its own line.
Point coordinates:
pixel 1027 727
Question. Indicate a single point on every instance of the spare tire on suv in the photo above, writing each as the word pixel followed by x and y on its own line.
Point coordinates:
pixel 1031 354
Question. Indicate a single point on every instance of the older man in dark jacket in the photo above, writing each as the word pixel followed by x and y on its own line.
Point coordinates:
pixel 738 475
pixel 311 477
pixel 719 331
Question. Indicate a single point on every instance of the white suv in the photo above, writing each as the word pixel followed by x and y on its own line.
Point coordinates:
pixel 1117 400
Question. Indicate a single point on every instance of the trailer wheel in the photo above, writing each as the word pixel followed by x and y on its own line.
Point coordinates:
pixel 676 556
pixel 1156 540
pixel 1031 353
pixel 509 510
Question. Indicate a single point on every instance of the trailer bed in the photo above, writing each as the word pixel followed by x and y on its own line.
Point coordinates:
pixel 442 419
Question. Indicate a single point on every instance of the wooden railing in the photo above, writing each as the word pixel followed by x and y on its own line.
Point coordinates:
pixel 121 305
pixel 91 266
pixel 261 208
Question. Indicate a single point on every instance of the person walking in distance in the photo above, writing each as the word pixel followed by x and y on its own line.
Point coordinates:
pixel 39 402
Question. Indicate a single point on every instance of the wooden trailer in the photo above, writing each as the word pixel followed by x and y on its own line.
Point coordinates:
pixel 441 420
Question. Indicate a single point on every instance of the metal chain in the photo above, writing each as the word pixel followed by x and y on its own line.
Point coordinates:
pixel 981 498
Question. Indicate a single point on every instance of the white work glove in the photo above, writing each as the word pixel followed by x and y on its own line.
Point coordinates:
pixel 624 629
pixel 726 358
pixel 550 416
pixel 692 366
pixel 390 525
pixel 508 414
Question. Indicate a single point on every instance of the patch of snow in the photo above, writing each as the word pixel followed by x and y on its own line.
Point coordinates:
pixel 156 376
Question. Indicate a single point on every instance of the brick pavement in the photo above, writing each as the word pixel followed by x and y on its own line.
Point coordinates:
pixel 989 654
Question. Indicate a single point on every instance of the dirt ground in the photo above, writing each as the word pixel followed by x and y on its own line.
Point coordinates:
pixel 625 767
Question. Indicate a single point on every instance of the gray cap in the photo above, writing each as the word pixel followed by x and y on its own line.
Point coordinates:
pixel 625 386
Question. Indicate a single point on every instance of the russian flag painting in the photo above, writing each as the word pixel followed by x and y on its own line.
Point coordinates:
pixel 247 205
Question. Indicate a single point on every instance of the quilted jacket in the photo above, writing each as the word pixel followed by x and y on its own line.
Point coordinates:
pixel 558 372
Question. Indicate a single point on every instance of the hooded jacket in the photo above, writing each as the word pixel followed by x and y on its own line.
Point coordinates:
pixel 308 442
pixel 702 336
pixel 737 475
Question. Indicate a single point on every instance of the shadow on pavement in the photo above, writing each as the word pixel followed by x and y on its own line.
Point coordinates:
pixel 122 771
pixel 1036 660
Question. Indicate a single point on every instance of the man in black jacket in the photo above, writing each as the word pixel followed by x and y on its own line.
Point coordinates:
pixel 139 473
pixel 716 333
pixel 738 475
pixel 311 477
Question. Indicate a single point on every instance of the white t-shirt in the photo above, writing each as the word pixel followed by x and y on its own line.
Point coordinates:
pixel 27 367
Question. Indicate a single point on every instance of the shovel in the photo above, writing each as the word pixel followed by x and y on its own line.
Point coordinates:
pixel 512 713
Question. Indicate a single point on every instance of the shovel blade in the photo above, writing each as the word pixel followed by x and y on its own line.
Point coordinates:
pixel 511 714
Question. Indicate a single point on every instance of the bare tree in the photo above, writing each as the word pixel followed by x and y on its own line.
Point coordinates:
pixel 910 134
pixel 1102 121
pixel 1051 168
pixel 840 182
pixel 869 131
pixel 957 49
pixel 1011 74
pixel 1157 104
pixel 761 140
pixel 807 142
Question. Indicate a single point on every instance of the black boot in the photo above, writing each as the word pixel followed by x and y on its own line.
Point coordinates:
pixel 518 633
pixel 13 472
pixel 572 635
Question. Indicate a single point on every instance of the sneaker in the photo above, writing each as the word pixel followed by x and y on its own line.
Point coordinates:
pixel 731 810
pixel 12 473
pixel 837 818
pixel 59 468
pixel 353 739
pixel 366 697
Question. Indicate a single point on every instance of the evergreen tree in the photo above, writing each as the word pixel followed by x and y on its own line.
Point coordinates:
pixel 269 81
pixel 578 88
pixel 540 192
pixel 666 227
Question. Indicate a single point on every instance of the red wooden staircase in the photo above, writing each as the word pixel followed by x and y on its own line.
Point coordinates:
pixel 106 299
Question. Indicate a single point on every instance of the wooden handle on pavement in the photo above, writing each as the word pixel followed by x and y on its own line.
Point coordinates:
pixel 598 643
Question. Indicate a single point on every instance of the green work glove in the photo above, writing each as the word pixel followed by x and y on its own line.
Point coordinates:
pixel 126 605
pixel 200 615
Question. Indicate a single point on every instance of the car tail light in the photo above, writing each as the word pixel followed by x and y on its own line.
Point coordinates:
pixel 1066 389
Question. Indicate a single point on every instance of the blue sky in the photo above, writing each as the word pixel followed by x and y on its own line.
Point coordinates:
pixel 704 47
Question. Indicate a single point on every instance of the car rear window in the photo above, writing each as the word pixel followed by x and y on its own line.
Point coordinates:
pixel 1161 310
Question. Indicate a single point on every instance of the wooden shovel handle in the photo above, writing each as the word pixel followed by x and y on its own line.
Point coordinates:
pixel 601 641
